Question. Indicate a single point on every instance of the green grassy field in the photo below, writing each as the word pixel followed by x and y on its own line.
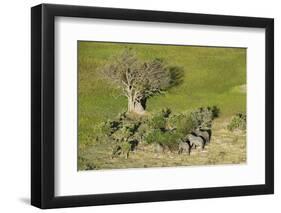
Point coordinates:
pixel 212 76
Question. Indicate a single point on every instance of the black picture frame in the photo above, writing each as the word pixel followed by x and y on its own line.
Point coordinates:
pixel 43 105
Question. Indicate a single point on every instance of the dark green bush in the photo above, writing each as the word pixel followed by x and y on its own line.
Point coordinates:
pixel 154 136
pixel 142 131
pixel 121 148
pixel 122 134
pixel 239 121
pixel 167 129
pixel 132 126
pixel 215 111
pixel 182 123
pixel 166 112
pixel 109 127
pixel 167 139
pixel 203 116
pixel 161 128
pixel 157 121
pixel 171 140
pixel 126 131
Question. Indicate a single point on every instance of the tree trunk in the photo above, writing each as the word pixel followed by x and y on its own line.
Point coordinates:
pixel 130 104
pixel 136 106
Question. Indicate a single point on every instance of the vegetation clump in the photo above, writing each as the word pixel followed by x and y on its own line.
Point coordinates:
pixel 163 128
pixel 203 116
pixel 238 122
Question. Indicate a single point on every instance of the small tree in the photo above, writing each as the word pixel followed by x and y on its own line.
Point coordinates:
pixel 139 79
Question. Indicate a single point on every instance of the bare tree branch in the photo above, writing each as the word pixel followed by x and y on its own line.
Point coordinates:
pixel 138 79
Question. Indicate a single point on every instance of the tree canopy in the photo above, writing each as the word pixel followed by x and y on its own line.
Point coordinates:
pixel 139 79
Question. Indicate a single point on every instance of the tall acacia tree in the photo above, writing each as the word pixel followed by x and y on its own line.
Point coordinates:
pixel 139 79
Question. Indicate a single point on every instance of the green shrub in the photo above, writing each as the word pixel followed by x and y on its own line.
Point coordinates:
pixel 154 136
pixel 142 131
pixel 168 139
pixel 162 128
pixel 121 148
pixel 109 127
pixel 171 140
pixel 203 116
pixel 167 130
pixel 182 123
pixel 238 122
pixel 166 112
pixel 157 121
pixel 122 134
pixel 125 131
pixel 131 126
pixel 215 111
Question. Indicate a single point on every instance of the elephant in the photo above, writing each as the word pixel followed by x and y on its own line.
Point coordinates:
pixel 205 134
pixel 184 146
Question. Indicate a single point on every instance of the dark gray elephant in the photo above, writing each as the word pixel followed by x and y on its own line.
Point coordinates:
pixel 196 141
pixel 205 134
pixel 184 147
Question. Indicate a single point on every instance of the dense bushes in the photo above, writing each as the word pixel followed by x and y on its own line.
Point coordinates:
pixel 109 127
pixel 171 128
pixel 203 117
pixel 238 122
pixel 182 123
pixel 126 132
pixel 167 139
pixel 162 128
pixel 158 121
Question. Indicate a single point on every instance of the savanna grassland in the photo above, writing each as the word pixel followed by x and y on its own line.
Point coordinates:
pixel 212 77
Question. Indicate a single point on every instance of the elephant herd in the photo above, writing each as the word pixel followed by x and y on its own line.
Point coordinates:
pixel 197 138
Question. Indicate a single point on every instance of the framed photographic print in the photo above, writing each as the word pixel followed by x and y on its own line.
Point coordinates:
pixel 139 106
